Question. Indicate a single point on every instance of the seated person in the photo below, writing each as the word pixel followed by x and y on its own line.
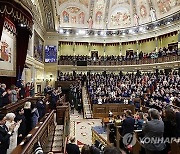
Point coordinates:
pixel 99 100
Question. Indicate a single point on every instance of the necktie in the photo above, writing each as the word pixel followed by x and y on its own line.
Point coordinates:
pixel 5 128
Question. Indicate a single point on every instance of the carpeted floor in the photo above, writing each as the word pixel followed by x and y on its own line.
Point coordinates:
pixel 81 128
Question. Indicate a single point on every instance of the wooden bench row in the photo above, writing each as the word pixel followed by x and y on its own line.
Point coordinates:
pixel 13 106
pixel 102 110
pixel 42 133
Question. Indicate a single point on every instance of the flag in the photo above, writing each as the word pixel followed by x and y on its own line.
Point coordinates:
pixel 18 83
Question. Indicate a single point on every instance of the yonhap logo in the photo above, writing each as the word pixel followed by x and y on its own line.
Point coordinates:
pixel 129 139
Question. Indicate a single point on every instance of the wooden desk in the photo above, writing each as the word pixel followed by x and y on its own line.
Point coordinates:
pixel 102 110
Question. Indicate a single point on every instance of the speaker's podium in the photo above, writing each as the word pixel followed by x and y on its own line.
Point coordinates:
pixel 81 63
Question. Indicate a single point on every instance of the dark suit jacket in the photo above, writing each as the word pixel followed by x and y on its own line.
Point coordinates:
pixel 4 139
pixel 72 149
pixel 178 123
pixel 128 125
pixel 154 129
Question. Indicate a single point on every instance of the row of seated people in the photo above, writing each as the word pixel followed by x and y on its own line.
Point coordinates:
pixel 15 126
pixel 71 76
pixel 152 89
pixel 14 93
pixel 163 125
pixel 163 52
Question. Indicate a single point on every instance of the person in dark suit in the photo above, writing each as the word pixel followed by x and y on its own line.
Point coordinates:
pixel 28 115
pixel 41 106
pixel 54 99
pixel 4 135
pixel 22 128
pixel 22 89
pixel 177 115
pixel 128 123
pixel 153 129
pixel 72 148
pixel 4 95
pixel 112 150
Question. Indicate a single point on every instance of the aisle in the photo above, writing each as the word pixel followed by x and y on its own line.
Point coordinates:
pixel 81 128
pixel 86 104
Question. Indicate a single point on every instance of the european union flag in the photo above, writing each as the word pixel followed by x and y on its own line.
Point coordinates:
pixel 18 83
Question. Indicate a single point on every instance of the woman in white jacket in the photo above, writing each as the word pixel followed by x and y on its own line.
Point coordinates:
pixel 13 139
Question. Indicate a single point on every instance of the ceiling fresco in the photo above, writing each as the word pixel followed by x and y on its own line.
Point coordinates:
pixel 111 14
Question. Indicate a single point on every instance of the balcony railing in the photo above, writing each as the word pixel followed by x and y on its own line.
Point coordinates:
pixel 163 59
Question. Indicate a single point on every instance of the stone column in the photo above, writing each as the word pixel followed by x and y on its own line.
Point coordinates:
pixel 104 49
pixel 120 48
pixel 137 46
pixel 89 48
pixel 156 42
pixel 74 48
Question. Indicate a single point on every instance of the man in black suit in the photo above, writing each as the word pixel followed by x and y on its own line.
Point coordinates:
pixel 72 148
pixel 4 100
pixel 154 129
pixel 22 128
pixel 128 123
pixel 22 89
pixel 4 135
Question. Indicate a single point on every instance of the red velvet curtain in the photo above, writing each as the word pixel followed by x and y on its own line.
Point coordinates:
pixel 2 17
pixel 22 38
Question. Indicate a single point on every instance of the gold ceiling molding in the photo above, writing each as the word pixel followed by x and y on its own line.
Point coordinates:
pixel 16 13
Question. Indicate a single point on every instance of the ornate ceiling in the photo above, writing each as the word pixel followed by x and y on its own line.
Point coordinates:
pixel 110 14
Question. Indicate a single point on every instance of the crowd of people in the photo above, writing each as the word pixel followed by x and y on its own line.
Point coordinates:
pixel 162 126
pixel 53 95
pixel 130 55
pixel 14 93
pixel 75 97
pixel 15 126
pixel 153 89
pixel 71 76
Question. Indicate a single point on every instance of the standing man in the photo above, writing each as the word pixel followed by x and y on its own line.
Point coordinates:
pixel 128 123
pixel 153 130
pixel 5 135
pixel 72 148
pixel 22 129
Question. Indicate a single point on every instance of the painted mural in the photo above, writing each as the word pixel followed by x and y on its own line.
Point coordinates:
pixel 98 17
pixel 73 19
pixel 100 14
pixel 38 47
pixel 142 7
pixel 73 9
pixel 116 2
pixel 165 6
pixel 81 18
pixel 62 1
pixel 84 2
pixel 65 17
pixel 120 17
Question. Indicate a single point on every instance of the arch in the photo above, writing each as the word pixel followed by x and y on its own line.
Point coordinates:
pixel 123 16
pixel 81 17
